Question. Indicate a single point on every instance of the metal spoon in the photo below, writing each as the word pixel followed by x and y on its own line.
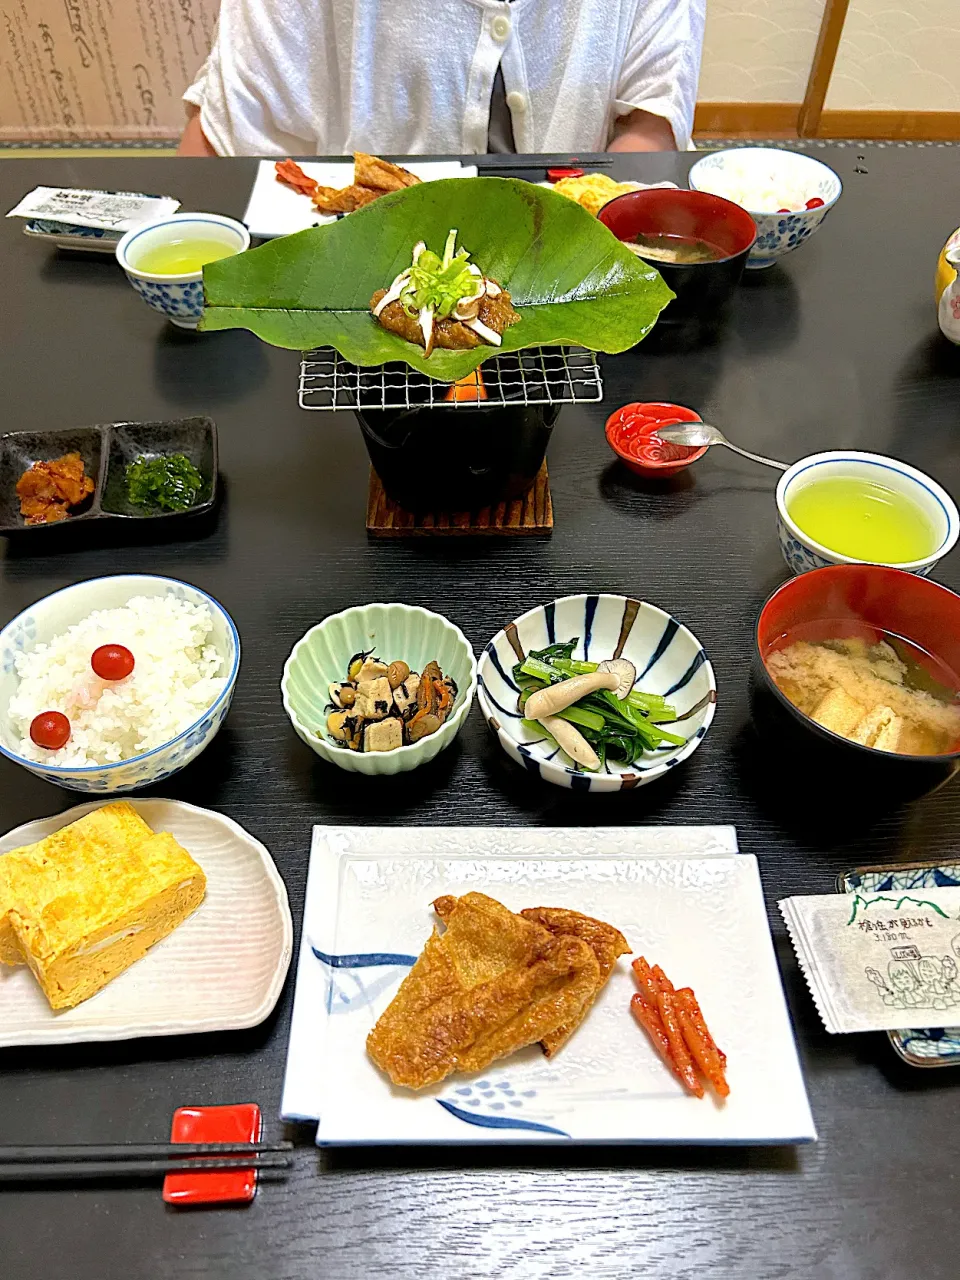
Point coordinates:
pixel 697 434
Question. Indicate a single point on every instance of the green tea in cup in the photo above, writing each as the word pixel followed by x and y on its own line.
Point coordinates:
pixel 861 518
pixel 182 256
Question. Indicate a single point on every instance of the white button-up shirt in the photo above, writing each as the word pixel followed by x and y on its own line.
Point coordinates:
pixel 413 77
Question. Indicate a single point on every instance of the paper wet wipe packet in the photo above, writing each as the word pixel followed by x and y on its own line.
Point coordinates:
pixel 102 210
pixel 880 961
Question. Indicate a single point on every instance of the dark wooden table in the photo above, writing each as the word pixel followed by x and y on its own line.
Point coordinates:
pixel 838 346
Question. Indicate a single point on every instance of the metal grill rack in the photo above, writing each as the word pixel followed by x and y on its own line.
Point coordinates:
pixel 537 375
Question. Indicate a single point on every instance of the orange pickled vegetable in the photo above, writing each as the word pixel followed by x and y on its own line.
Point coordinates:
pixel 650 1020
pixel 678 1047
pixel 703 1053
pixel 291 175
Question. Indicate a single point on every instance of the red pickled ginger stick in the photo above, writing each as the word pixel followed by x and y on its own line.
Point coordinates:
pixel 645 981
pixel 689 1004
pixel 661 979
pixel 290 173
pixel 703 1053
pixel 649 1019
pixel 678 1046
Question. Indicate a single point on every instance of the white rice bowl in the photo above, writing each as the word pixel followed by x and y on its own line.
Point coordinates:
pixel 174 681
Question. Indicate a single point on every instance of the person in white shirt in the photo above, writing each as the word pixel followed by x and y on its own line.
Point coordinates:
pixel 447 77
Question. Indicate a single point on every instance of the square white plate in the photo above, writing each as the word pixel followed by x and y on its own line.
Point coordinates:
pixel 222 969
pixel 682 896
pixel 274 209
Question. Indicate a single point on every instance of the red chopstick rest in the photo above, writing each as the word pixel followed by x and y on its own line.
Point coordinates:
pixel 555 175
pixel 240 1123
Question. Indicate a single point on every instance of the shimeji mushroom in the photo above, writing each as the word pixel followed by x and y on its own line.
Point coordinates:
pixel 616 674
pixel 572 741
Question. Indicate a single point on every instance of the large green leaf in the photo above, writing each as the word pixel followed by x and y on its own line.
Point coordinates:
pixel 571 280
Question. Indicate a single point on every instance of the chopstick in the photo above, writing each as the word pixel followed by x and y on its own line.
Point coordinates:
pixel 504 162
pixel 79 1152
pixel 73 1169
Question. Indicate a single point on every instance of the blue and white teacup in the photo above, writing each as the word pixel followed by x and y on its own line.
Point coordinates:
pixel 179 298
pixel 802 553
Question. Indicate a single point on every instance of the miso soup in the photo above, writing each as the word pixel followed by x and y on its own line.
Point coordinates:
pixel 681 250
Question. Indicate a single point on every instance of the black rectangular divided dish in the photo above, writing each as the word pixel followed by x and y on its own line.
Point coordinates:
pixel 106 450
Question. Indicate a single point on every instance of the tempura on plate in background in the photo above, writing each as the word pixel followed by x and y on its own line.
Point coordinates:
pixel 372 177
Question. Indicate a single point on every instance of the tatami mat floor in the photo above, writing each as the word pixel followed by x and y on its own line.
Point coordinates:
pixel 47 151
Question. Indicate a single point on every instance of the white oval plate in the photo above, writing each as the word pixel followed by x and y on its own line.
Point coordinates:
pixel 222 969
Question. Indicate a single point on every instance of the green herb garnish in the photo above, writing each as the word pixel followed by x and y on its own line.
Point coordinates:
pixel 171 483
pixel 439 283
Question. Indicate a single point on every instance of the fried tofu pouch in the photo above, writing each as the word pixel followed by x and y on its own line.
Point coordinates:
pixel 490 984
pixel 608 945
pixel 83 905
pixel 330 200
pixel 381 175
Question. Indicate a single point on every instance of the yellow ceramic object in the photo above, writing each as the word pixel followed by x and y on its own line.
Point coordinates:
pixel 947 287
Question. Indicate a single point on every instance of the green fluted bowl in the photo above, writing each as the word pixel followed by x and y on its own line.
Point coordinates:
pixel 396 632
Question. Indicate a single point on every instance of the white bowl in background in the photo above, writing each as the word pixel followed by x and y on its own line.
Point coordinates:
pixel 51 616
pixel 670 660
pixel 395 633
pixel 802 553
pixel 179 298
pixel 741 173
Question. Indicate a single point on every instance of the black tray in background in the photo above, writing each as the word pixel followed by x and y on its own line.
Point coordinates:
pixel 106 449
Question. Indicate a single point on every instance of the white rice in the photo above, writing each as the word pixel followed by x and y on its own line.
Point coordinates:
pixel 753 187
pixel 174 681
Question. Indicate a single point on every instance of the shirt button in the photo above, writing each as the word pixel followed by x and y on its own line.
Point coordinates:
pixel 500 28
pixel 516 101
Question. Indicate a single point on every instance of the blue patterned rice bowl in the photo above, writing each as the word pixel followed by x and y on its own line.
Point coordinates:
pixel 726 173
pixel 669 659
pixel 51 617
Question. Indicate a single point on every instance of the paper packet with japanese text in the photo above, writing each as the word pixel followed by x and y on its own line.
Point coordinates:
pixel 880 961
pixel 102 210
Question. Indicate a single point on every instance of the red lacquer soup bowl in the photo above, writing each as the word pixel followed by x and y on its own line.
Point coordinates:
pixel 840 602
pixel 703 289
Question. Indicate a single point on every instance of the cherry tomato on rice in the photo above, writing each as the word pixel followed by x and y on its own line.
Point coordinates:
pixel 112 662
pixel 50 730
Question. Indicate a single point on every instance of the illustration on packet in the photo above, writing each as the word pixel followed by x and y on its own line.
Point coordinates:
pixel 873 960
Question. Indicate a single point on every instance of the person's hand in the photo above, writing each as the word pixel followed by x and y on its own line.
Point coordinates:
pixel 642 131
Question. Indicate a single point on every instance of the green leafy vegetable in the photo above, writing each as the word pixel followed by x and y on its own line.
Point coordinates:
pixel 171 483
pixel 570 279
pixel 619 730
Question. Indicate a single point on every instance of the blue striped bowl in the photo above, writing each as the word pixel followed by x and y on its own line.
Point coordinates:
pixel 669 660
